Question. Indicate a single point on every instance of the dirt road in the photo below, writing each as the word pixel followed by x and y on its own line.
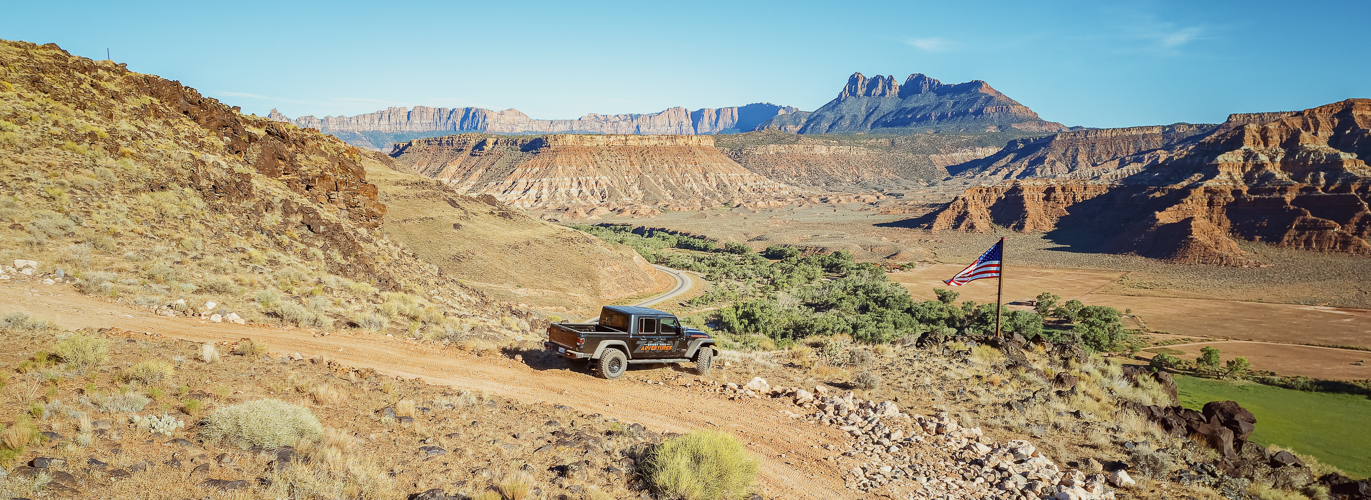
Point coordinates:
pixel 793 464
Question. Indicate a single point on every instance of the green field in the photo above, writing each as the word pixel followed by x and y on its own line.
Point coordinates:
pixel 1335 428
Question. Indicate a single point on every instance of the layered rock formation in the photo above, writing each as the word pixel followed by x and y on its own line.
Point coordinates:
pixel 859 161
pixel 379 129
pixel 1085 154
pixel 1295 180
pixel 609 172
pixel 881 104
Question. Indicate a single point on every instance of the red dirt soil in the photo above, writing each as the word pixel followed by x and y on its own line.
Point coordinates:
pixel 793 464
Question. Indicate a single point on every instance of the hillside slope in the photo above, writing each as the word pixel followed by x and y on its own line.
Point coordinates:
pixel 1296 180
pixel 142 191
pixel 506 253
pixel 624 173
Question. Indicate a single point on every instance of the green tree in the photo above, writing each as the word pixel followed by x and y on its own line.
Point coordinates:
pixel 1100 328
pixel 946 296
pixel 1163 361
pixel 1236 367
pixel 1069 310
pixel 1024 323
pixel 1046 303
pixel 1208 360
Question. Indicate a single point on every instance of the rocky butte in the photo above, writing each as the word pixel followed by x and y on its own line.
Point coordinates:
pixel 879 104
pixel 1295 180
pixel 623 173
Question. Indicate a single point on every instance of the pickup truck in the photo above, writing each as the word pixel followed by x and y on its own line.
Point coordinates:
pixel 626 335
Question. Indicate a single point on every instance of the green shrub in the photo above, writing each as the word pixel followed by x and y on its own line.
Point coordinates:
pixel 702 465
pixel 268 423
pixel 147 372
pixel 17 321
pixel 192 407
pixel 125 403
pixel 82 351
pixel 250 347
pixel 867 381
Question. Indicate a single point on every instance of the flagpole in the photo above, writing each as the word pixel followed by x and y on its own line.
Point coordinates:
pixel 999 296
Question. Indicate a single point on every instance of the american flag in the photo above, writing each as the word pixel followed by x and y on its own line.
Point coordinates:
pixel 988 266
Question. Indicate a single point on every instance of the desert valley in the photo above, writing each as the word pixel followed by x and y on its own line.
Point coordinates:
pixel 200 302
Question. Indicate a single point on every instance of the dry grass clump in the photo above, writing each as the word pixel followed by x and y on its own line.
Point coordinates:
pixel 404 408
pixel 249 347
pixel 325 394
pixel 82 352
pixel 702 465
pixel 20 322
pixel 149 372
pixel 268 423
pixel 514 487
pixel 209 353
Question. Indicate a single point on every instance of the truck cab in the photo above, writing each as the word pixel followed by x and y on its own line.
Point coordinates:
pixel 625 335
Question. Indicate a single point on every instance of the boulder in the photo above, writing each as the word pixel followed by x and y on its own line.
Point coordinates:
pixel 1219 437
pixel 1229 414
pixel 22 264
pixel 1065 381
pixel 1285 459
pixel 758 385
pixel 1120 479
pixel 802 397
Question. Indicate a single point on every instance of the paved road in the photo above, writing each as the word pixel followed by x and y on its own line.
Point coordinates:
pixel 683 284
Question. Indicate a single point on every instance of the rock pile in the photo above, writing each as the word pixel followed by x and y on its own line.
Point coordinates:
pixel 900 455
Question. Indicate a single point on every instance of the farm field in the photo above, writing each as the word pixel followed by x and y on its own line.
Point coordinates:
pixel 1214 318
pixel 1284 359
pixel 1335 428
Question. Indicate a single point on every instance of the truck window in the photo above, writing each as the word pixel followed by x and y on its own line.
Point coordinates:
pixel 647 326
pixel 669 326
pixel 615 320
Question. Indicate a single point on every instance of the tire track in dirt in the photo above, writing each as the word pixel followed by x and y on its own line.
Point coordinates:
pixel 793 464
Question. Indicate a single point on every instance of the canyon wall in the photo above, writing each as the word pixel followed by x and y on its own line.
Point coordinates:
pixel 1294 180
pixel 1110 153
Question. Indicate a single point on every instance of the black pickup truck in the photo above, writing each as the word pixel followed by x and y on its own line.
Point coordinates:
pixel 626 335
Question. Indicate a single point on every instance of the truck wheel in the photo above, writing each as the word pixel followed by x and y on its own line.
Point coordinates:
pixel 704 361
pixel 613 364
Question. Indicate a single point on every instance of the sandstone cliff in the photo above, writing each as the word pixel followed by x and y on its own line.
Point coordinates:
pixel 1086 154
pixel 858 161
pixel 881 104
pixel 1295 180
pixel 610 172
pixel 379 129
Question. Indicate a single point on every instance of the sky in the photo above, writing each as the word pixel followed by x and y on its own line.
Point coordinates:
pixel 1094 64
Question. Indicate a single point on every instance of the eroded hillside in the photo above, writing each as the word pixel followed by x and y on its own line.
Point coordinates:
pixel 610 173
pixel 142 191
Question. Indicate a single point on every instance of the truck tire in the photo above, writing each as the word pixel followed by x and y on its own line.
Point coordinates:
pixel 613 364
pixel 704 361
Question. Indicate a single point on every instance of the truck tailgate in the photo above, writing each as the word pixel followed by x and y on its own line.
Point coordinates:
pixel 562 335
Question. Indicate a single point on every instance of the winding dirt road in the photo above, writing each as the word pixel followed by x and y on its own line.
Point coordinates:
pixel 793 463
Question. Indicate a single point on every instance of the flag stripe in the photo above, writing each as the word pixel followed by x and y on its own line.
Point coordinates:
pixel 987 266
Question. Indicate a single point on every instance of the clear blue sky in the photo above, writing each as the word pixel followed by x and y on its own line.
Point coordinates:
pixel 1085 63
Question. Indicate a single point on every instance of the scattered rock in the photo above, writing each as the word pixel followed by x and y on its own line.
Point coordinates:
pixel 432 450
pixel 1119 478
pixel 224 484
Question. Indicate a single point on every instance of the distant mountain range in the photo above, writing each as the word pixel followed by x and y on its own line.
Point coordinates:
pixel 865 105
pixel 380 129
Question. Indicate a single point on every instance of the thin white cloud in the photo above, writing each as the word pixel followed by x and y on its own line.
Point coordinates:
pixel 930 44
pixel 1177 38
